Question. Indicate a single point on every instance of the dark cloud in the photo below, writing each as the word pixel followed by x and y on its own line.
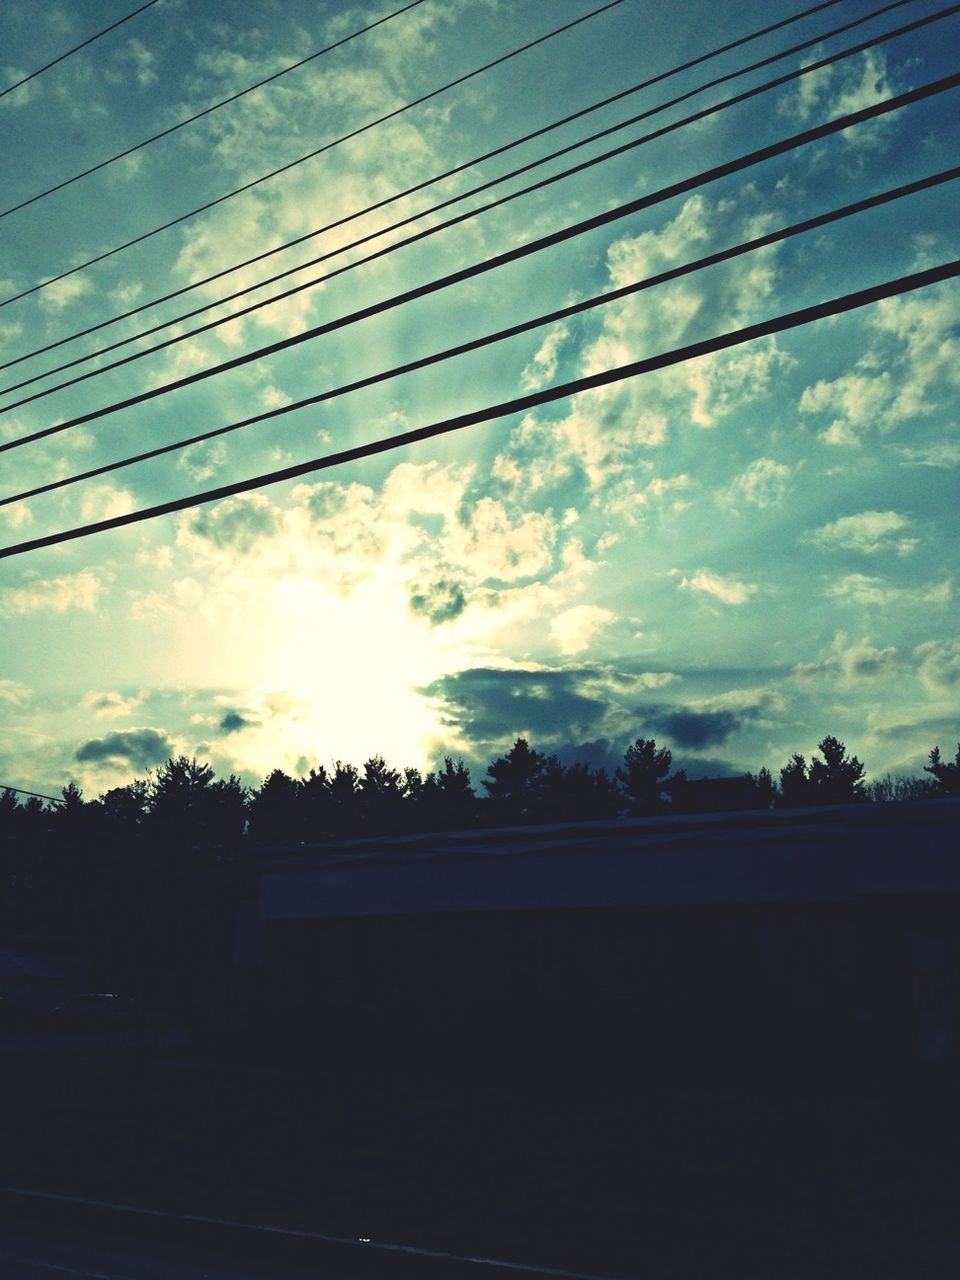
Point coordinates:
pixel 141 748
pixel 234 721
pixel 239 523
pixel 937 728
pixel 492 705
pixel 439 601
pixel 707 767
pixel 695 729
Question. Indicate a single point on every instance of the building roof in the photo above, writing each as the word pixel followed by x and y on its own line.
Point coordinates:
pixel 810 855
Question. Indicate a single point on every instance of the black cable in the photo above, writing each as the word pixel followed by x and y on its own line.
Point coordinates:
pixel 165 133
pixel 38 795
pixel 354 133
pixel 420 214
pixel 76 49
pixel 534 246
pixel 564 313
pixel 400 195
pixel 521 404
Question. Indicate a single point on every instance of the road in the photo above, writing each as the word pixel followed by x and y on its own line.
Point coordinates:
pixel 43 1236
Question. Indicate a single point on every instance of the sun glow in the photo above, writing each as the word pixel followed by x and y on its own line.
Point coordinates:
pixel 351 667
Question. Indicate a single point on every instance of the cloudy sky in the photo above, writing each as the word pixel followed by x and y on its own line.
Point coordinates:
pixel 736 555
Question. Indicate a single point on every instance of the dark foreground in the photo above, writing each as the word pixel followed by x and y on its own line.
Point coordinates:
pixel 587 1171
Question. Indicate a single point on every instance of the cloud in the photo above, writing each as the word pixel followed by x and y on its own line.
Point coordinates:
pixel 71 591
pixel 543 368
pixel 439 601
pixel 864 591
pixel 110 704
pixel 867 533
pixel 138 748
pixel 839 90
pixel 103 502
pixel 238 523
pixel 943 454
pixel 574 630
pixel 495 705
pixel 763 484
pixel 939 665
pixel 696 729
pixel 233 722
pixel 911 365
pixel 850 662
pixel 727 590
pixel 60 294
pixel 14 694
pixel 203 460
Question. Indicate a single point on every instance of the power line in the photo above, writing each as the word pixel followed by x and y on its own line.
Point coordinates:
pixel 38 795
pixel 165 133
pixel 420 214
pixel 564 313
pixel 520 404
pixel 512 255
pixel 76 49
pixel 449 173
pixel 354 133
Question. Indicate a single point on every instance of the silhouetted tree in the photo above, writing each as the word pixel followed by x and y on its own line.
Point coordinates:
pixel 837 778
pixel 794 783
pixel 381 793
pixel 452 803
pixel 514 784
pixel 125 808
pixel 645 768
pixel 579 794
pixel 343 790
pixel 946 775
pixel 274 809
pixel 764 789
pixel 897 786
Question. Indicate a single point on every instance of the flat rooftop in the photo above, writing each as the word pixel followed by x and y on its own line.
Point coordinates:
pixel 831 854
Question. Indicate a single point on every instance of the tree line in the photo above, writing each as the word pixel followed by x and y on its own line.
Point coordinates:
pixel 183 804
pixel 145 881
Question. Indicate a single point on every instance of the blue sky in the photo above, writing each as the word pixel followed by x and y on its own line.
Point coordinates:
pixel 735 556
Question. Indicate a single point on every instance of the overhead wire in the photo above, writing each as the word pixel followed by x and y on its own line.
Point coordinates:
pixel 519 404
pixel 436 178
pixel 423 213
pixel 346 137
pixel 444 281
pixel 475 344
pixel 76 49
pixel 224 102
pixel 515 254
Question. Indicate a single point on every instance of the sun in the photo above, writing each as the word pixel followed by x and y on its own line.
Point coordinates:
pixel 354 666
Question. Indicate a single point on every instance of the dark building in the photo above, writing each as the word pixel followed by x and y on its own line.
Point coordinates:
pixel 815 940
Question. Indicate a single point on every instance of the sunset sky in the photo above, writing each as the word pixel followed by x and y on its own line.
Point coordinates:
pixel 735 556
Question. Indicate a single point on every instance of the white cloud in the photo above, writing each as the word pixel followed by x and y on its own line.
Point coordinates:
pixel 939 666
pixel 911 364
pixel 71 591
pixel 839 90
pixel 110 703
pixel 103 502
pixel 942 454
pixel 543 368
pixel 726 590
pixel 574 630
pixel 60 294
pixel 763 484
pixel 864 590
pixel 850 662
pixel 869 532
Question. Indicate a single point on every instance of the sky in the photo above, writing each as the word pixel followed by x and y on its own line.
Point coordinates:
pixel 736 555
